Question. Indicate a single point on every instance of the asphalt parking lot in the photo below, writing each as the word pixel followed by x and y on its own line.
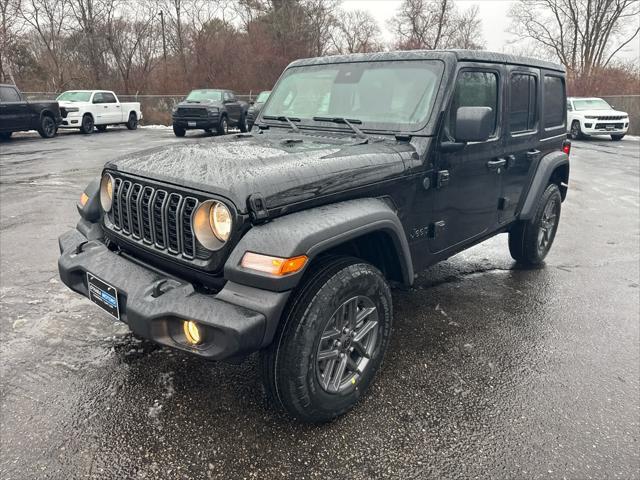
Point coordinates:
pixel 492 371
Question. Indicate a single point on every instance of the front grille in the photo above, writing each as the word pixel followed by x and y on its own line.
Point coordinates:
pixel 615 117
pixel 192 112
pixel 605 125
pixel 156 217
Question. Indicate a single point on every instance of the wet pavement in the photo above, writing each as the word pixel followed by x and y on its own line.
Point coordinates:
pixel 492 371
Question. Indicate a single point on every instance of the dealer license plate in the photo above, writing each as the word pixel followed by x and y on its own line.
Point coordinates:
pixel 103 295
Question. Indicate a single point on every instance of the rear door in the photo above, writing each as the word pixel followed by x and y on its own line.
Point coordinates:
pixel 468 182
pixel 114 113
pixel 14 111
pixel 521 137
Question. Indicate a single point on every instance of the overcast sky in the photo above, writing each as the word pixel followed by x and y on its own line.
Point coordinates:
pixel 493 14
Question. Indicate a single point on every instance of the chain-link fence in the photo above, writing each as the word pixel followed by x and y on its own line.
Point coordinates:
pixel 156 109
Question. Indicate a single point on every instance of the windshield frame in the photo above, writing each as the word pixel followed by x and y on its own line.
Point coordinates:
pixel 577 100
pixel 87 93
pixel 211 90
pixel 366 126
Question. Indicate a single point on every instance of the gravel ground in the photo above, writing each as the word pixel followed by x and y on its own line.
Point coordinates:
pixel 492 371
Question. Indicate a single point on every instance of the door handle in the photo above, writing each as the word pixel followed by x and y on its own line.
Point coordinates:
pixel 496 164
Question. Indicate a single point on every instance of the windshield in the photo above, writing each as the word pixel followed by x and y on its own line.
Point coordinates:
pixel 591 104
pixel 200 95
pixel 74 97
pixel 263 97
pixel 385 95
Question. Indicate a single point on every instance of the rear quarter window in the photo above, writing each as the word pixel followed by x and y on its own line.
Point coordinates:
pixel 554 101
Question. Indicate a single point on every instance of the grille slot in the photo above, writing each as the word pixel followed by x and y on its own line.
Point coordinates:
pixel 155 217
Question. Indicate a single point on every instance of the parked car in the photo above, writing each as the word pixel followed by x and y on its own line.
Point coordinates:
pixel 210 110
pixel 86 109
pixel 594 116
pixel 18 114
pixel 361 171
pixel 255 108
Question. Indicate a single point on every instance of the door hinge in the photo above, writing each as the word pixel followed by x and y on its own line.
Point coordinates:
pixel 442 179
pixel 436 228
pixel 257 207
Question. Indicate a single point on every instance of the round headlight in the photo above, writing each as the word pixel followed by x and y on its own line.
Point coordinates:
pixel 212 224
pixel 106 192
pixel 220 221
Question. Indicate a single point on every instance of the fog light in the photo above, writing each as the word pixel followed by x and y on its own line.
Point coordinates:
pixel 192 332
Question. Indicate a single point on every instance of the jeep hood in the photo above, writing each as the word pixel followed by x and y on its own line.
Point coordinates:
pixel 283 170
pixel 602 113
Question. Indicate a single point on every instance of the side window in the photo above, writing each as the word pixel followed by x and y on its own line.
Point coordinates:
pixel 474 89
pixel 98 98
pixel 554 101
pixel 9 94
pixel 523 102
pixel 227 96
pixel 108 97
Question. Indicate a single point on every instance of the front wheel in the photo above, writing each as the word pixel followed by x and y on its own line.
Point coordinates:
pixel 576 132
pixel 47 127
pixel 86 126
pixel 179 131
pixel 531 240
pixel 223 126
pixel 617 138
pixel 331 340
pixel 132 123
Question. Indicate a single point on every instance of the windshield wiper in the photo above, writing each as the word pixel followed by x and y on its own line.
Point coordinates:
pixel 349 122
pixel 284 118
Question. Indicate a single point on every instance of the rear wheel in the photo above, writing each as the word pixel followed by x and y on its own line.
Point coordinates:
pixel 531 240
pixel 616 138
pixel 47 127
pixel 576 132
pixel 132 123
pixel 179 131
pixel 101 128
pixel 86 126
pixel 331 340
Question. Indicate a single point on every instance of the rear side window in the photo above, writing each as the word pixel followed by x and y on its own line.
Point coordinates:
pixel 108 97
pixel 9 94
pixel 474 89
pixel 523 102
pixel 554 101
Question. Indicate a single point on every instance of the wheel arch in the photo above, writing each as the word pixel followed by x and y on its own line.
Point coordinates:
pixel 366 228
pixel 553 168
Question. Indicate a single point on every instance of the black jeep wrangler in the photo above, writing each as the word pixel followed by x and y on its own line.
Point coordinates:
pixel 210 110
pixel 363 170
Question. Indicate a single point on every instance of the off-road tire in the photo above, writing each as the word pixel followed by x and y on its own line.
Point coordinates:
pixel 5 135
pixel 87 124
pixel 290 365
pixel 101 128
pixel 524 237
pixel 223 126
pixel 179 131
pixel 47 128
pixel 576 131
pixel 132 122
pixel 617 138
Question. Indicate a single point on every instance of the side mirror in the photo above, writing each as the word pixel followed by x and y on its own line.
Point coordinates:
pixel 474 124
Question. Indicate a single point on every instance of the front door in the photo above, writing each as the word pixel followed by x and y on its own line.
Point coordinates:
pixel 14 111
pixel 468 180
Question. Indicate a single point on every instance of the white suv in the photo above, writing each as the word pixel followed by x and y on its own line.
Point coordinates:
pixel 594 116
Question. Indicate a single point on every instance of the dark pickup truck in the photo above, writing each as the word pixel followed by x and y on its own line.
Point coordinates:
pixel 210 110
pixel 18 114
pixel 361 170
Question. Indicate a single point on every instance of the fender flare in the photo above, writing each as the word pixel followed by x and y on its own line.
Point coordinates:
pixel 312 232
pixel 548 164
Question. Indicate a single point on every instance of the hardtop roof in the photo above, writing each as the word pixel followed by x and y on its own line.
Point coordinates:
pixel 457 55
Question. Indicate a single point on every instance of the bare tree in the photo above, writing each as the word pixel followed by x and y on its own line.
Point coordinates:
pixel 8 37
pixel 357 32
pixel 433 24
pixel 321 21
pixel 585 35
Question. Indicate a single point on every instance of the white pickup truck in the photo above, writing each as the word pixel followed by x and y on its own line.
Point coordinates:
pixel 86 109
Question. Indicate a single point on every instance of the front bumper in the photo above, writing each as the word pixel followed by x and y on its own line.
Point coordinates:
pixel 201 123
pixel 154 305
pixel 604 127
